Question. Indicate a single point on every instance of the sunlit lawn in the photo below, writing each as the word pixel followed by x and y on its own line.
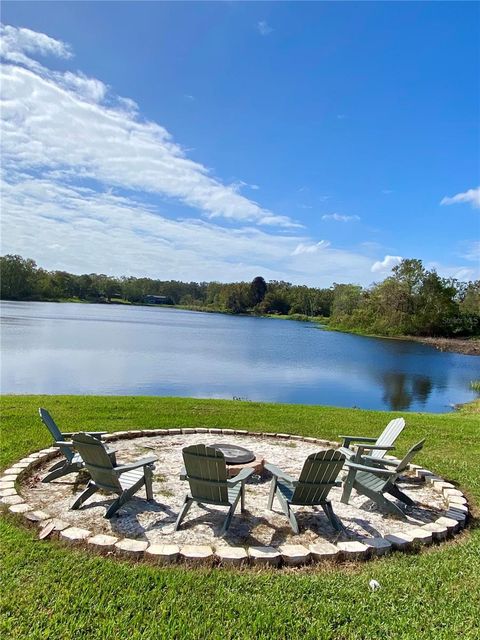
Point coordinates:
pixel 51 592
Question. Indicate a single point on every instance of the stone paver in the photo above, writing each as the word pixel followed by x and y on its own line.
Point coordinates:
pixel 21 507
pixel 294 554
pixel 131 548
pixel 264 556
pixel 163 553
pixel 400 541
pixel 451 524
pixel 233 556
pixel 353 550
pixel 377 546
pixel 322 551
pixel 421 536
pixel 102 543
pixel 196 554
pixel 439 531
pixel 75 535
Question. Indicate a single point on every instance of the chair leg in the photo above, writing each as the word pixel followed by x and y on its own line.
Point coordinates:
pixel 183 511
pixel 116 504
pixel 148 482
pixel 397 493
pixel 64 470
pixel 228 520
pixel 273 488
pixel 58 465
pixel 288 512
pixel 348 486
pixel 335 521
pixel 381 501
pixel 242 498
pixel 86 493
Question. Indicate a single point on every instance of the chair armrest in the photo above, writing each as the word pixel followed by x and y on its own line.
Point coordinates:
pixel 95 434
pixel 277 472
pixel 374 447
pixel 241 477
pixel 348 439
pixel 143 462
pixel 64 443
pixel 362 467
pixel 183 474
pixel 382 461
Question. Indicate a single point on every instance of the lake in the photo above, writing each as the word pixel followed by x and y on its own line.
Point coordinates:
pixel 53 348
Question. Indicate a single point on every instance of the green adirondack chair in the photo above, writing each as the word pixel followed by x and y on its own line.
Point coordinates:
pixel 125 480
pixel 372 477
pixel 206 472
pixel 72 462
pixel 318 476
pixel 378 446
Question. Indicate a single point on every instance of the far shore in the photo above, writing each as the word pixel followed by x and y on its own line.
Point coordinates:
pixel 464 346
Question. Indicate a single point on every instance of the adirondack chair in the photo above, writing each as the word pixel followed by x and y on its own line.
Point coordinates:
pixel 72 462
pixel 125 480
pixel 206 472
pixel 372 477
pixel 378 446
pixel 318 476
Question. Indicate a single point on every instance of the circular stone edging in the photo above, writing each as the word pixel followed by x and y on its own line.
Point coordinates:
pixel 451 521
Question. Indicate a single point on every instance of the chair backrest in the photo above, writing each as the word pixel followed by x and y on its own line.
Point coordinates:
pixel 318 476
pixel 408 457
pixel 388 436
pixel 206 474
pixel 55 432
pixel 97 462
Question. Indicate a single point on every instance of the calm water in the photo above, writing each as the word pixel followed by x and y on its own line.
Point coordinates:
pixel 93 349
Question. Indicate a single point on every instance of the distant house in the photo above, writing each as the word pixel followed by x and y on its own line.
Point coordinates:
pixel 157 300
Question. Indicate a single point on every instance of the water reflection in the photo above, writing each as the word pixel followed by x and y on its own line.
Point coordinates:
pixel 95 349
pixel 401 390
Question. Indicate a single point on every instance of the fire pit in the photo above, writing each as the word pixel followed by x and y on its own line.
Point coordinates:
pixel 238 458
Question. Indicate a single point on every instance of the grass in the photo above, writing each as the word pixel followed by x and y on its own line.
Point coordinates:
pixel 52 592
pixel 475 385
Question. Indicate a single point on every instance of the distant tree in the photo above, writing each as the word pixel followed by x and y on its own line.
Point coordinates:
pixel 275 302
pixel 258 289
pixel 18 277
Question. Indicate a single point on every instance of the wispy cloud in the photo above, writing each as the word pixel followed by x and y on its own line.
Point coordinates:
pixel 340 218
pixel 386 265
pixel 88 184
pixel 310 248
pixel 57 120
pixel 472 197
pixel 264 28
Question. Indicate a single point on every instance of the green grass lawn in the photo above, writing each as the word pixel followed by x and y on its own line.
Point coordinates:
pixel 48 591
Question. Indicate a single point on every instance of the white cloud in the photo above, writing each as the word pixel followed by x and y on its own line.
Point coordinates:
pixel 310 248
pixel 49 122
pixel 340 218
pixel 264 28
pixel 386 265
pixel 89 88
pixel 62 131
pixel 471 196
pixel 16 45
pixel 54 223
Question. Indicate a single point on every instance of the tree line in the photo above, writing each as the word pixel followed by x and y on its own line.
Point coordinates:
pixel 411 301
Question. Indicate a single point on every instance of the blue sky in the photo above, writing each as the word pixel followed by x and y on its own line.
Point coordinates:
pixel 311 142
